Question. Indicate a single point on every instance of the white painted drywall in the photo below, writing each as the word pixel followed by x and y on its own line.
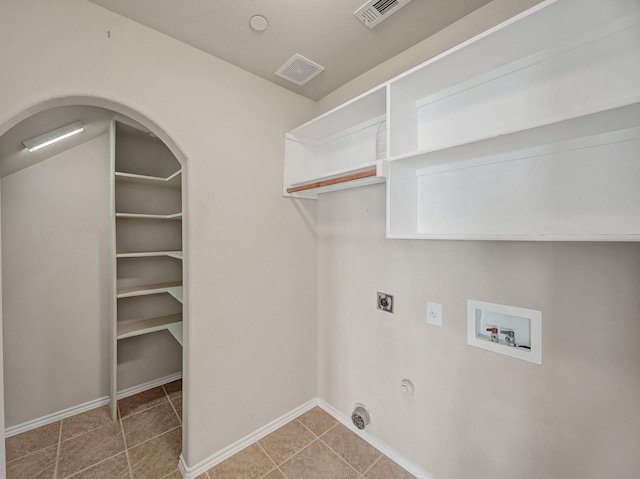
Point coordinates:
pixel 250 253
pixel 476 414
pixel 55 269
pixel 467 27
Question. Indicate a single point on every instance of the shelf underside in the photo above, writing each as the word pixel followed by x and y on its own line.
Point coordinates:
pixel 151 254
pixel 172 181
pixel 174 289
pixel 142 216
pixel 172 323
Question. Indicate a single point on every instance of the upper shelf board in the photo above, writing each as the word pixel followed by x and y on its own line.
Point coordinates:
pixel 148 254
pixel 128 329
pixel 174 289
pixel 139 216
pixel 172 181
pixel 364 108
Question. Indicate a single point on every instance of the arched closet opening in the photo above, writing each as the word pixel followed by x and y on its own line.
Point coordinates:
pixel 92 266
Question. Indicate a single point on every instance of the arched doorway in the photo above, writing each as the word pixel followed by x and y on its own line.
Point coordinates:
pixel 64 353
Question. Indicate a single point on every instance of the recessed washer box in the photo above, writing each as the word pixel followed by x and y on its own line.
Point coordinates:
pixel 508 330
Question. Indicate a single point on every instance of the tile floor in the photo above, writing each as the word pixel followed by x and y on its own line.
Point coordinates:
pixel 147 440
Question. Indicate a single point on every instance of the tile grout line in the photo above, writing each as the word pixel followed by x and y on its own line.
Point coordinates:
pixel 275 465
pixel 155 437
pixel 373 463
pixel 171 403
pixel 91 466
pixel 338 455
pixel 55 470
pixel 124 440
pixel 144 410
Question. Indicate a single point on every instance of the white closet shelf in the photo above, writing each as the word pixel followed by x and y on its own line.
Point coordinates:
pixel 142 216
pixel 174 289
pixel 338 180
pixel 612 124
pixel 173 323
pixel 360 110
pixel 172 181
pixel 527 131
pixel 150 254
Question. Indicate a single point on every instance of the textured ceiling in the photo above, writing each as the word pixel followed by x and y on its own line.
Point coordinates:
pixel 325 31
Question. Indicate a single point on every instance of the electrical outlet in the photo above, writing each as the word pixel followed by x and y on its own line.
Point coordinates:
pixel 434 314
pixel 385 302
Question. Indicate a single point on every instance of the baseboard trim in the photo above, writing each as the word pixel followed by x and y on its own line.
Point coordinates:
pixel 384 448
pixel 56 416
pixel 72 411
pixel 218 457
pixel 148 385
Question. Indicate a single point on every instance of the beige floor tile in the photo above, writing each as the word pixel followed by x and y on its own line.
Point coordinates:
pixel 283 443
pixel 142 401
pixel 317 420
pixel 356 451
pixel 174 475
pixel 85 422
pixel 157 457
pixel 173 388
pixel 32 441
pixel 317 461
pixel 177 404
pixel 39 465
pixel 275 474
pixel 250 463
pixel 115 468
pixel 385 468
pixel 89 449
pixel 150 423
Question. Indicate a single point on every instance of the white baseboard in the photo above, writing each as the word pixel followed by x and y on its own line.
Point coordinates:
pixel 72 411
pixel 56 416
pixel 125 393
pixel 218 457
pixel 385 449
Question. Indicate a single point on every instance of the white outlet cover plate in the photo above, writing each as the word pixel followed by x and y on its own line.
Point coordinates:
pixel 434 314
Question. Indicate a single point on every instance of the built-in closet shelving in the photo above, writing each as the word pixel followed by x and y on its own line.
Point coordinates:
pixel 147 239
pixel 529 131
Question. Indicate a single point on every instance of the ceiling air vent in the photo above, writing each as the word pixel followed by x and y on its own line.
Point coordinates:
pixel 299 70
pixel 375 11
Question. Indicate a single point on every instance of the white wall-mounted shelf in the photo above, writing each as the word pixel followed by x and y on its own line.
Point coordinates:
pixel 142 216
pixel 150 254
pixel 529 131
pixel 172 181
pixel 129 329
pixel 340 142
pixel 173 288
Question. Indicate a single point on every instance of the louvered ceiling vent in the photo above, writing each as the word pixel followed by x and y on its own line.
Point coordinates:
pixel 375 11
pixel 299 70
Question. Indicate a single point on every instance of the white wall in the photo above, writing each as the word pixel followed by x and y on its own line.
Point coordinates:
pixel 475 413
pixel 251 254
pixel 467 27
pixel 55 250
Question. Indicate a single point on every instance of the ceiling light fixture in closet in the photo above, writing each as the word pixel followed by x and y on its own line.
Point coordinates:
pixel 54 136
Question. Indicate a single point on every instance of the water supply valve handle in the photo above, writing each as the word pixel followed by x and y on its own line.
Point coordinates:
pixel 494 334
pixel 510 336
